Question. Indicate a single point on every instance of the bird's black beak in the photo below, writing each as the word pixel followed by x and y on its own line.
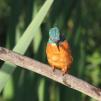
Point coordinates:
pixel 58 45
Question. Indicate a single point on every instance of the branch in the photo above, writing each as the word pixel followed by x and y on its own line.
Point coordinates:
pixel 45 70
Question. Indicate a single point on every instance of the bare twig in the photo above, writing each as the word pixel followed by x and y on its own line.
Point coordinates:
pixel 45 70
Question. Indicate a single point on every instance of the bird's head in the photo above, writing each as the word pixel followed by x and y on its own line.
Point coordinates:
pixel 54 35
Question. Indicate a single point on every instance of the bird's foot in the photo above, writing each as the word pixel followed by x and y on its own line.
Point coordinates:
pixel 64 70
pixel 53 68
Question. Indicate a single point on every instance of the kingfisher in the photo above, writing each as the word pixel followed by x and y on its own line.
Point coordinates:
pixel 58 51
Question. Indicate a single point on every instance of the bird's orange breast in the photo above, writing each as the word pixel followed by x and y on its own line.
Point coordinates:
pixel 59 57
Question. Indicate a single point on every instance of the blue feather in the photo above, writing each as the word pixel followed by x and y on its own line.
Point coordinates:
pixel 54 34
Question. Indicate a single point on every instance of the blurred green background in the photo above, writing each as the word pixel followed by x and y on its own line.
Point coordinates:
pixel 79 20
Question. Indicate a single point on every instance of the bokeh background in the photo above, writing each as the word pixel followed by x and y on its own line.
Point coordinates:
pixel 79 20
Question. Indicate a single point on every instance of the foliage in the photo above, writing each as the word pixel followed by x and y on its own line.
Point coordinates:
pixel 78 19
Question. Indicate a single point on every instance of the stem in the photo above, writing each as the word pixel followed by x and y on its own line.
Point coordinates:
pixel 45 70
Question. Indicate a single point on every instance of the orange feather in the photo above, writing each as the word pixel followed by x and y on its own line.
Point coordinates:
pixel 59 57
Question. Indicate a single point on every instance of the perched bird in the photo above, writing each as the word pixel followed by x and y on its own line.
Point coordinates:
pixel 58 51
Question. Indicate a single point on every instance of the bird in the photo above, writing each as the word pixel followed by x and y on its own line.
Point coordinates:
pixel 58 51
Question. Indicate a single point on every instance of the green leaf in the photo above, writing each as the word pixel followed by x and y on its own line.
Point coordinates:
pixel 41 93
pixel 24 42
